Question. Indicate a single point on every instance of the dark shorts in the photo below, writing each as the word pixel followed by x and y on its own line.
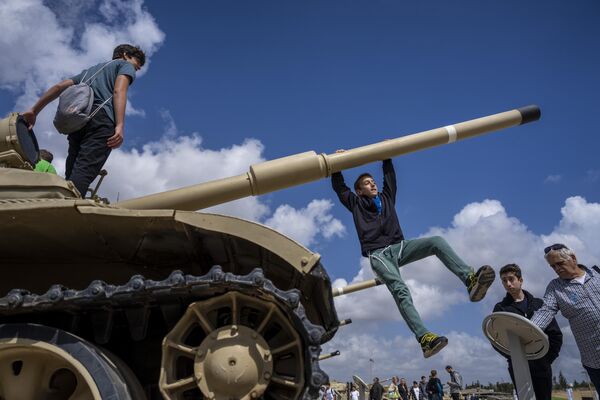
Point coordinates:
pixel 88 151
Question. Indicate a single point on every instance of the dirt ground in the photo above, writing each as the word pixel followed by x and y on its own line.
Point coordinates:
pixel 578 394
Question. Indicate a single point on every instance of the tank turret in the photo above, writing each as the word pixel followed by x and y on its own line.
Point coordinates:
pixel 146 298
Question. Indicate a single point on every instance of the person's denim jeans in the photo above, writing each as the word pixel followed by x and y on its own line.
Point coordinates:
pixel 386 263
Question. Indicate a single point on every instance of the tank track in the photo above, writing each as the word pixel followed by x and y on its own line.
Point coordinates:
pixel 136 296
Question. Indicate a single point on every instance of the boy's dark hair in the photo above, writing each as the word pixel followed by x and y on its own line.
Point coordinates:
pixel 360 178
pixel 46 155
pixel 508 268
pixel 131 51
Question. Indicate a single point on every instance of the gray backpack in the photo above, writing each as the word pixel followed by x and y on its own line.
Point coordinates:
pixel 75 105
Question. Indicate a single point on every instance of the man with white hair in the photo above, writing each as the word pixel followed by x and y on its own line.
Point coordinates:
pixel 576 294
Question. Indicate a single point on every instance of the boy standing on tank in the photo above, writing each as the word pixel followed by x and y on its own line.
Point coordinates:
pixel 382 241
pixel 90 146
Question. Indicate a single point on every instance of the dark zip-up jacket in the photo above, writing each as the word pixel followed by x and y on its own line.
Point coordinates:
pixel 374 230
pixel 376 392
pixel 542 366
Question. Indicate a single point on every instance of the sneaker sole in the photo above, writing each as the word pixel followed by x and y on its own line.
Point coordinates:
pixel 436 349
pixel 484 281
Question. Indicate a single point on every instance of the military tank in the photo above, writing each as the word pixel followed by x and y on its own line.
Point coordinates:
pixel 148 298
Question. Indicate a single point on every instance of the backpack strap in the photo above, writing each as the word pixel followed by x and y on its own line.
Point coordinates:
pixel 91 80
pixel 84 75
pixel 97 72
pixel 99 107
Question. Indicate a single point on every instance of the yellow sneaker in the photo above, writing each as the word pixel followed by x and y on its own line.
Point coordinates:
pixel 478 283
pixel 431 343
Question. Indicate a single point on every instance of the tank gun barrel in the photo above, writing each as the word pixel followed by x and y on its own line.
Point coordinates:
pixel 306 167
pixel 329 355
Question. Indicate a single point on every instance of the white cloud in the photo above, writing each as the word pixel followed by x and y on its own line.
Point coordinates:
pixel 306 223
pixel 481 233
pixel 170 126
pixel 131 110
pixel 553 178
pixel 471 355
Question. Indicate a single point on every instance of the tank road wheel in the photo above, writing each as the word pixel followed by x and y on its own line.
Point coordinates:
pixel 39 362
pixel 230 347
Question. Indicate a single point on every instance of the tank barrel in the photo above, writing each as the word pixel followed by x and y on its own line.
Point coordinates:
pixel 306 167
pixel 355 287
pixel 329 355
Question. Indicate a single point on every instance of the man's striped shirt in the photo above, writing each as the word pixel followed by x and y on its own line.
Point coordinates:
pixel 580 304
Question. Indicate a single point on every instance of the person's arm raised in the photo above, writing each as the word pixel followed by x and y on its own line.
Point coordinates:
pixel 347 198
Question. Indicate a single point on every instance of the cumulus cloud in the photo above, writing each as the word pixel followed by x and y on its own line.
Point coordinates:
pixel 47 42
pixel 400 355
pixel 481 233
pixel 131 110
pixel 306 223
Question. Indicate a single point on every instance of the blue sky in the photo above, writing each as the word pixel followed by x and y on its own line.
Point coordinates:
pixel 229 83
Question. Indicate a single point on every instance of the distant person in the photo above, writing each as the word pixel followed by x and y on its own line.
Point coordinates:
pixel 576 294
pixel 521 302
pixel 423 387
pixel 435 390
pixel 90 146
pixel 354 395
pixel 570 391
pixel 383 242
pixel 376 392
pixel 455 383
pixel 403 389
pixel 415 391
pixel 45 163
pixel 329 393
pixel 392 390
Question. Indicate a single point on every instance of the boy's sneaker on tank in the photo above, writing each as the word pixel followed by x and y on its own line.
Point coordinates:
pixel 479 282
pixel 431 344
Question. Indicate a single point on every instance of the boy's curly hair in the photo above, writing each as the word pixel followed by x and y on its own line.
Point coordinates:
pixel 131 51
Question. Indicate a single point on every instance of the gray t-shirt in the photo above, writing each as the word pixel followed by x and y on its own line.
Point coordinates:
pixel 103 83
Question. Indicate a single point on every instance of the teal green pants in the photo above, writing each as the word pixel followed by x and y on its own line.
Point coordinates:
pixel 386 263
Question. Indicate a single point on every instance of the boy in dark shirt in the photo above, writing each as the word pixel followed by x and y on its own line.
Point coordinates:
pixel 381 240
pixel 522 302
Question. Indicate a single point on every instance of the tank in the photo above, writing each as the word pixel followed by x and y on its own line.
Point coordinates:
pixel 149 298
